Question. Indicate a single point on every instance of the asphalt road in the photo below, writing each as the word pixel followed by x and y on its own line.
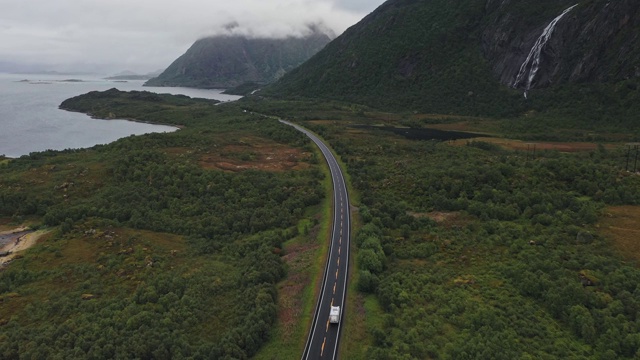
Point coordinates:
pixel 324 337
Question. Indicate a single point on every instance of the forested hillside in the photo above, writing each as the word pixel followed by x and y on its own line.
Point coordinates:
pixel 464 57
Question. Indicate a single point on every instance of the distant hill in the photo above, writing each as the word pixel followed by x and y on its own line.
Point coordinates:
pixel 465 57
pixel 229 61
pixel 130 75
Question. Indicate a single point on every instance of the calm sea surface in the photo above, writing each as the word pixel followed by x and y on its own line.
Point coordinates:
pixel 31 121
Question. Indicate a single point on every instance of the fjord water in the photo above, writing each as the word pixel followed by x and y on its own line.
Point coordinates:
pixel 30 120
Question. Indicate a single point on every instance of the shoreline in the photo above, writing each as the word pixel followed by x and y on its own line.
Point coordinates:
pixel 7 158
pixel 18 240
pixel 90 82
pixel 95 117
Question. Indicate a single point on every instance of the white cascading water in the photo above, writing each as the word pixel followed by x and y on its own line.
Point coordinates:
pixel 532 63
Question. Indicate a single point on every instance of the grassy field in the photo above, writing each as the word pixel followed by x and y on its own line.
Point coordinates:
pixel 91 252
pixel 621 224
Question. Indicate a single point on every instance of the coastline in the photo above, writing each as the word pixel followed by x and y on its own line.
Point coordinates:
pixel 32 122
pixel 5 159
pixel 17 241
pixel 95 117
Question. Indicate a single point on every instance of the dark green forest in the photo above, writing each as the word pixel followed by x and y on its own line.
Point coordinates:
pixel 151 256
pixel 481 252
pixel 470 250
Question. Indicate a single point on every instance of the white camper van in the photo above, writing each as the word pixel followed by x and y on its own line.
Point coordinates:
pixel 334 315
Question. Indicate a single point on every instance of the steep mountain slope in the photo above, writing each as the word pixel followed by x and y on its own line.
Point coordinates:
pixel 464 56
pixel 228 61
pixel 597 41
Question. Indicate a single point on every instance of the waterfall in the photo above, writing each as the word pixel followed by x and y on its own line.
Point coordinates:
pixel 532 63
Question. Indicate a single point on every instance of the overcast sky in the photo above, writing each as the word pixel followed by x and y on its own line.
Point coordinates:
pixel 146 35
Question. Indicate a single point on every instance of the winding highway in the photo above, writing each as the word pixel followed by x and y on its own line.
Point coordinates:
pixel 324 337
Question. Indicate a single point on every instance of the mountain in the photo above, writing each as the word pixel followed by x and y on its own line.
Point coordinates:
pixel 465 56
pixel 597 41
pixel 126 73
pixel 228 61
pixel 10 67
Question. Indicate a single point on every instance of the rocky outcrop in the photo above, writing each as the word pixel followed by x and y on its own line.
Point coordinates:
pixel 598 41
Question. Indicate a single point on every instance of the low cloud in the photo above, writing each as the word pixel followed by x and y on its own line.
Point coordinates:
pixel 146 35
pixel 230 26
